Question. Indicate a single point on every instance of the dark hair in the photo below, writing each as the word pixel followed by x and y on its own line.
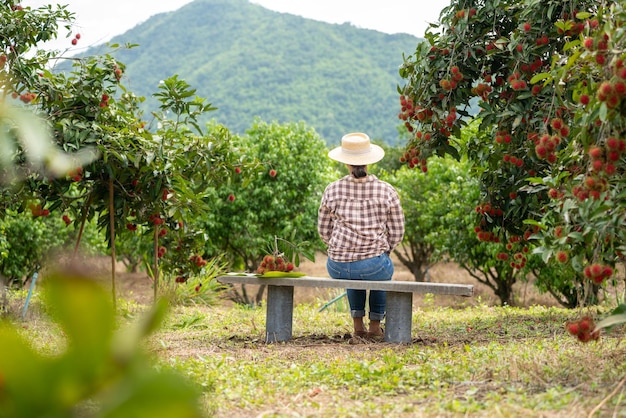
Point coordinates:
pixel 359 171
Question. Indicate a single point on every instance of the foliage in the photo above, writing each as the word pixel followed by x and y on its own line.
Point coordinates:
pixel 561 281
pixel 24 138
pixel 79 116
pixel 390 163
pixel 184 166
pixel 197 288
pixel 288 68
pixel 278 198
pixel 101 372
pixel 29 241
pixel 440 211
pixel 547 76
pixel 164 225
pixel 152 179
pixel 436 207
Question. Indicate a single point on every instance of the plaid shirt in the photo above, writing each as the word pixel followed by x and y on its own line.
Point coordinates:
pixel 360 218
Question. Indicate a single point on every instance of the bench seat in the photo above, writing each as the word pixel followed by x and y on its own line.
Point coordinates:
pixel 398 320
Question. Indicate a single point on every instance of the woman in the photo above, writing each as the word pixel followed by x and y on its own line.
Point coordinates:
pixel 361 221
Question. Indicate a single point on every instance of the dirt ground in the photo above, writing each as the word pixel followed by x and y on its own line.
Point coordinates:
pixel 138 287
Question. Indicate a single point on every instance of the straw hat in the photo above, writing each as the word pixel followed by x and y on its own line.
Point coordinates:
pixel 356 149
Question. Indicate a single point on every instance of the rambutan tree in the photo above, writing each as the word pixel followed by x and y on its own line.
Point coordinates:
pixel 100 158
pixel 547 81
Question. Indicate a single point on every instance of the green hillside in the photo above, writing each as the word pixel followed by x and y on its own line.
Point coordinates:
pixel 250 62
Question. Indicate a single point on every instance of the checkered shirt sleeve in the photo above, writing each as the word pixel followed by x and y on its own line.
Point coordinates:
pixel 360 218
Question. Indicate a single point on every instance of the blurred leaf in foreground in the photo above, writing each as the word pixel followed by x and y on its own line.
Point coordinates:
pixel 101 373
pixel 26 146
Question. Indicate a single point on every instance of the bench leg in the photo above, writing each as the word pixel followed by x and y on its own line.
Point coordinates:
pixel 399 317
pixel 279 314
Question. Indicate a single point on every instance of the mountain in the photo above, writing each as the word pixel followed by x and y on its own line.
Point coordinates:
pixel 250 62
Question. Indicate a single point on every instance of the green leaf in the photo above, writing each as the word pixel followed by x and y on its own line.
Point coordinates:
pixel 147 394
pixel 620 309
pixel 572 60
pixel 270 274
pixel 538 77
pixel 534 223
pixel 611 320
pixel 570 45
pixel 604 110
pixel 125 343
pixel 19 364
pixel 79 303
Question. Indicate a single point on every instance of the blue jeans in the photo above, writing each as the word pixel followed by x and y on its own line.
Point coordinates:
pixel 375 268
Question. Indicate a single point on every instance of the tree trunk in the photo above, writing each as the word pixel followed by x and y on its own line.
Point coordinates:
pixel 417 260
pixel 155 280
pixel 83 220
pixel 500 282
pixel 258 300
pixel 504 289
pixel 4 307
pixel 420 273
pixel 112 232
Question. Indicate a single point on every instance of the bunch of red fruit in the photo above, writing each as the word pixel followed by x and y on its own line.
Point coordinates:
pixel 455 78
pixel 485 236
pixel 27 97
pixel 37 210
pixel 483 90
pixel 612 92
pixel 516 82
pixel 104 102
pixel 118 72
pixel 274 263
pixel 76 174
pixel 198 260
pixel 598 272
pixel 583 329
pixel 76 38
pixel 546 145
pixel 156 219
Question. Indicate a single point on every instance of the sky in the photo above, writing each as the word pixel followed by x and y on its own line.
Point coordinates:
pixel 98 21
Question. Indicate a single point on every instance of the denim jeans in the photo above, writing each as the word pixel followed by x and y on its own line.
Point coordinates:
pixel 375 268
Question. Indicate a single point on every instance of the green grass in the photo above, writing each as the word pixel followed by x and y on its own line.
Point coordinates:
pixel 478 361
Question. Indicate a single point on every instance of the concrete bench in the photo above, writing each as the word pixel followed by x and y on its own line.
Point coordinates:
pixel 398 320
